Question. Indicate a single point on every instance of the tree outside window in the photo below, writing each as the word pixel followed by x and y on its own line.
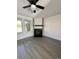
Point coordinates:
pixel 27 25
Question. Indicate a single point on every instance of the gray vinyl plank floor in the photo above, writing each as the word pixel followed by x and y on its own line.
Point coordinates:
pixel 38 48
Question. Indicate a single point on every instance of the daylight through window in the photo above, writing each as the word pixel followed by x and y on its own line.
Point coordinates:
pixel 19 26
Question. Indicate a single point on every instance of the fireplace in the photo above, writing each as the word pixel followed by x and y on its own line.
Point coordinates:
pixel 38 26
pixel 37 32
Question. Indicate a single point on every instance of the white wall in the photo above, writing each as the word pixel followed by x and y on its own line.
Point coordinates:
pixel 24 33
pixel 52 27
pixel 37 21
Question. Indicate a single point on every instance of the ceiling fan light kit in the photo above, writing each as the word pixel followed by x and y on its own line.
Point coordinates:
pixel 33 5
pixel 33 8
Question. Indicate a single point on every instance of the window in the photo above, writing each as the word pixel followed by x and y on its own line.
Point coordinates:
pixel 19 26
pixel 27 26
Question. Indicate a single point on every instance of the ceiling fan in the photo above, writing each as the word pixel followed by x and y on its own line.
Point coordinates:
pixel 33 5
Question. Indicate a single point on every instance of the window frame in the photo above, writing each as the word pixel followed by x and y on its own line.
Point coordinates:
pixel 31 24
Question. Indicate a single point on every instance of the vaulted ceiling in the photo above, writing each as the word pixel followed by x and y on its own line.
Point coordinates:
pixel 52 7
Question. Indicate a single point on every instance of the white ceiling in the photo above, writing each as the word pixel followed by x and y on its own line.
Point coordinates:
pixel 52 7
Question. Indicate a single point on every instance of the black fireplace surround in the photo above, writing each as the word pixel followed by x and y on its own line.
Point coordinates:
pixel 38 33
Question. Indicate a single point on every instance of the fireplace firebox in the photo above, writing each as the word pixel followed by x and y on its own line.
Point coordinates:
pixel 37 32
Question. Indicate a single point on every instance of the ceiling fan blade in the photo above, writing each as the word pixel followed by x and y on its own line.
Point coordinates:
pixel 27 6
pixel 38 6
